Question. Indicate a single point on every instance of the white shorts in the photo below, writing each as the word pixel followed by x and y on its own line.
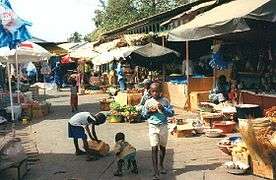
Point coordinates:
pixel 158 135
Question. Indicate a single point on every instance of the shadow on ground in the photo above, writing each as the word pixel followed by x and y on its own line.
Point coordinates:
pixel 69 167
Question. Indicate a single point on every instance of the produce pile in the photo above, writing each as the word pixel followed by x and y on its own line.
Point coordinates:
pixel 259 142
pixel 271 113
pixel 124 113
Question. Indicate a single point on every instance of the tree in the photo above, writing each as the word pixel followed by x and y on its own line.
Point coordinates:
pixel 75 37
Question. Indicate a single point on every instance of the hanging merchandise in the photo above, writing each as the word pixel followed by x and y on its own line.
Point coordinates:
pixel 218 62
pixel 217 59
pixel 66 59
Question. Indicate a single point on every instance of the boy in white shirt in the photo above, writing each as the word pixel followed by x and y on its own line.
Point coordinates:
pixel 81 121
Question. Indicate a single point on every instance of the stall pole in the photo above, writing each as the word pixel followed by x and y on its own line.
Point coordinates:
pixel 163 65
pixel 187 75
pixel 17 76
pixel 10 89
pixel 11 99
pixel 44 83
pixel 187 61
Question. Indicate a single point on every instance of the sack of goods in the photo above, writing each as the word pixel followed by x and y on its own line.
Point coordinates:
pixel 102 148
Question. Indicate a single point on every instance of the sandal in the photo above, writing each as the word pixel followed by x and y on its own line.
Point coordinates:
pixel 163 171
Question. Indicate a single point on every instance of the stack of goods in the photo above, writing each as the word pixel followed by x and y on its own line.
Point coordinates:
pixel 259 137
pixel 36 110
pixel 271 113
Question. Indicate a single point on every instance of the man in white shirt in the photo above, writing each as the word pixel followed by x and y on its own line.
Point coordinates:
pixel 81 121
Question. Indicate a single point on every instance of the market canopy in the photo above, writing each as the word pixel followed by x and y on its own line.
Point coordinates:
pixel 224 19
pixel 84 51
pixel 114 54
pixel 153 55
pixel 26 52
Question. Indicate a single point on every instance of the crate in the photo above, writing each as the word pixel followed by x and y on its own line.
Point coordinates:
pixel 197 97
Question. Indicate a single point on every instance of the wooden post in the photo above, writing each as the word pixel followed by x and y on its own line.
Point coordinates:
pixel 187 73
pixel 187 61
pixel 163 66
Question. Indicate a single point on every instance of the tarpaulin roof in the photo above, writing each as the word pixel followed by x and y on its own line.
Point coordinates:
pixel 154 50
pixel 224 19
pixel 153 55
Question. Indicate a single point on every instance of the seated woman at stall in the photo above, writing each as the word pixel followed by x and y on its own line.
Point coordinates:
pixel 220 92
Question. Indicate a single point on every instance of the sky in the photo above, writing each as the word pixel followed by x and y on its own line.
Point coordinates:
pixel 56 20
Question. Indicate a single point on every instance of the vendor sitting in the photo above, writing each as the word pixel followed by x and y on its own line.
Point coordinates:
pixel 220 93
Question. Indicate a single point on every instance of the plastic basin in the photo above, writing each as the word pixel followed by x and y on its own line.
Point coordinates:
pixel 225 126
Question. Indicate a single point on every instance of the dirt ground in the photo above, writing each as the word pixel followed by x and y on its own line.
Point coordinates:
pixel 195 158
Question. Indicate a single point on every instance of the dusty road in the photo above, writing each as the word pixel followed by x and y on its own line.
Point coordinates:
pixel 195 158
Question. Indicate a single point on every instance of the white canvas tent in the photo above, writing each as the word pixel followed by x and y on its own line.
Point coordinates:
pixel 26 52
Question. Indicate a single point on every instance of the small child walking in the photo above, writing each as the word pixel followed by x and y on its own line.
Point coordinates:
pixel 74 95
pixel 157 109
pixel 125 154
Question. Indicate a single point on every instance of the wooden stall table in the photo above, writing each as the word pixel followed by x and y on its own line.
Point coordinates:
pixel 176 93
pixel 265 101
pixel 197 97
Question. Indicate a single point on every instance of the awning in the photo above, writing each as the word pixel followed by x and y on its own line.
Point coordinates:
pixel 189 12
pixel 224 19
pixel 26 52
pixel 123 52
pixel 84 51
pixel 107 46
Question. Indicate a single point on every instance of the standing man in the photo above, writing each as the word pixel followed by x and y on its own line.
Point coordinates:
pixel 121 77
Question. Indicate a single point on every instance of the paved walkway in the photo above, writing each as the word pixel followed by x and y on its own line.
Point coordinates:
pixel 195 158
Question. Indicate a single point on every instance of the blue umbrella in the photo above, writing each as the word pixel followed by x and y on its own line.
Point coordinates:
pixel 13 29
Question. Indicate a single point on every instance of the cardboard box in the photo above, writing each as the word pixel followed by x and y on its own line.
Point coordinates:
pixel 102 148
pixel 197 97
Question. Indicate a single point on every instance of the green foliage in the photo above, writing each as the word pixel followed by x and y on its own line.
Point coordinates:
pixel 75 37
pixel 117 13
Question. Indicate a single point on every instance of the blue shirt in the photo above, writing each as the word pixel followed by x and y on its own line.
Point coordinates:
pixel 158 117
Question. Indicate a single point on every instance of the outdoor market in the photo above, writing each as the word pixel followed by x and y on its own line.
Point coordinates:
pixel 192 90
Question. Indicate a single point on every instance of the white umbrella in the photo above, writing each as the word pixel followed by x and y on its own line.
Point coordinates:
pixel 123 52
pixel 26 52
